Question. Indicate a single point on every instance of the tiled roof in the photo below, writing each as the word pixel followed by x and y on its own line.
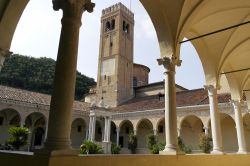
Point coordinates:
pixel 159 83
pixel 33 97
pixel 183 98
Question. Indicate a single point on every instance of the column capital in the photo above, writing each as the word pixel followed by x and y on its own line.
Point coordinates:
pixel 236 104
pixel 169 63
pixel 211 89
pixel 81 5
pixel 5 53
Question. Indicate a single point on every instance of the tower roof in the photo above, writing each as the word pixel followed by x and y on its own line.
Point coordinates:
pixel 116 7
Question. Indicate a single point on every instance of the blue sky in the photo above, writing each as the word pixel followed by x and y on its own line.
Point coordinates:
pixel 38 34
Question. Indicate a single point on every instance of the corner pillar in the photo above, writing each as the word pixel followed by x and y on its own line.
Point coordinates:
pixel 59 127
pixel 215 120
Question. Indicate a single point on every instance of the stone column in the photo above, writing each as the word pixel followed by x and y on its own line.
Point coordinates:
pixel 135 132
pixel 46 130
pixel 206 130
pixel 117 135
pixel 92 124
pixel 155 132
pixel 171 147
pixel 108 129
pixel 58 138
pixel 106 141
pixel 239 127
pixel 3 55
pixel 215 120
pixel 90 128
pixel 105 129
pixel 178 132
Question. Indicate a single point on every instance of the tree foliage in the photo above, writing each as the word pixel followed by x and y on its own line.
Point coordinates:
pixel 37 74
pixel 205 143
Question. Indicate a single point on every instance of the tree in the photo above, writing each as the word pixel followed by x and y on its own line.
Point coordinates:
pixel 132 143
pixel 19 137
pixel 37 74
pixel 205 143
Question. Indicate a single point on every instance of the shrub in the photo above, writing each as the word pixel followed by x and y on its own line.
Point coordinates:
pixel 115 149
pixel 157 148
pixel 6 146
pixel 132 143
pixel 151 141
pixel 19 137
pixel 205 143
pixel 89 147
pixel 183 147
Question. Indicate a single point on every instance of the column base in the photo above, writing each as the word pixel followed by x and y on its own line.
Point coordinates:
pixel 170 151
pixel 242 152
pixel 219 152
pixel 106 147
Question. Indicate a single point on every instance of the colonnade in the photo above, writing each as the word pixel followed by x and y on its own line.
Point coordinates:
pixel 59 126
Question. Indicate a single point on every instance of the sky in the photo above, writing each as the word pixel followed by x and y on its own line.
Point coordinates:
pixel 38 33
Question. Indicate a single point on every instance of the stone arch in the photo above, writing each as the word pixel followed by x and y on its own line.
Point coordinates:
pixel 246 125
pixel 113 132
pixel 99 131
pixel 161 130
pixel 229 136
pixel 78 132
pixel 144 128
pixel 36 122
pixel 126 127
pixel 191 127
pixel 8 118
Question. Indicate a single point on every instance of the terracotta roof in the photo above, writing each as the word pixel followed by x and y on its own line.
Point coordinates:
pixel 158 83
pixel 33 97
pixel 183 98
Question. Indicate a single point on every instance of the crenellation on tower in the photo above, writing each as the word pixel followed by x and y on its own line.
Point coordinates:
pixel 117 7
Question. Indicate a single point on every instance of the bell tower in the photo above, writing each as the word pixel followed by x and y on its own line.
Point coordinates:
pixel 115 69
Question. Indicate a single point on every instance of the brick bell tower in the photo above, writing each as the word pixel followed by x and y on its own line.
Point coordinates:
pixel 115 69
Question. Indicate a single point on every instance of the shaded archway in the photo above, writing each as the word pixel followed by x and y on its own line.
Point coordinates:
pixel 126 127
pixel 78 132
pixel 191 128
pixel 144 128
pixel 8 118
pixel 161 130
pixel 246 124
pixel 36 122
pixel 229 136
pixel 113 133
pixel 99 131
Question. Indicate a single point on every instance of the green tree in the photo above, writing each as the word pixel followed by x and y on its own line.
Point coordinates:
pixel 205 143
pixel 132 143
pixel 19 137
pixel 37 74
